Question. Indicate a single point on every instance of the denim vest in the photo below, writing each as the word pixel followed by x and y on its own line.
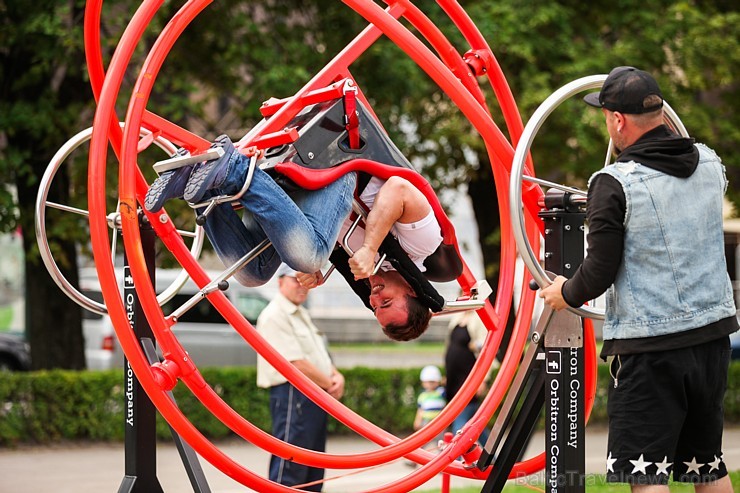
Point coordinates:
pixel 673 276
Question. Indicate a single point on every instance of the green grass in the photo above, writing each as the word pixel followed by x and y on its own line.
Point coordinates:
pixel 594 484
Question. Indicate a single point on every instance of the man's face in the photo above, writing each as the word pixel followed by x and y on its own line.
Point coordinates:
pixel 292 290
pixel 388 298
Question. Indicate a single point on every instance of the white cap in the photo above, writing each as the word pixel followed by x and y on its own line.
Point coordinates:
pixel 430 374
pixel 285 270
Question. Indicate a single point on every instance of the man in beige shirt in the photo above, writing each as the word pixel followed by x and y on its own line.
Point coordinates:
pixel 286 325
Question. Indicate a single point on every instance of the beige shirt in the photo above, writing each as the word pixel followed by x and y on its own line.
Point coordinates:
pixel 288 328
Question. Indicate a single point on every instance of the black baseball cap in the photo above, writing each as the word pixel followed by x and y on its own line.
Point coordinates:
pixel 625 90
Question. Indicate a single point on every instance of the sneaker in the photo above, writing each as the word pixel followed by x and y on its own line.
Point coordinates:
pixel 210 174
pixel 169 185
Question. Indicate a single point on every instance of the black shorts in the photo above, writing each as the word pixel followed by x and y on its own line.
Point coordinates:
pixel 666 415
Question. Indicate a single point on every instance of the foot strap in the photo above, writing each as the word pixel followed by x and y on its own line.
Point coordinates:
pixel 211 203
pixel 177 162
pixel 479 293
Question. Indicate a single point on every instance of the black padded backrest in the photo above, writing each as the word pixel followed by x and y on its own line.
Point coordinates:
pixel 323 143
pixel 444 265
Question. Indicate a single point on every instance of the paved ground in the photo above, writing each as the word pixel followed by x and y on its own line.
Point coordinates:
pixel 99 468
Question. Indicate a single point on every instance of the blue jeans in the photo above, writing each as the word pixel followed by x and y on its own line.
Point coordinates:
pixel 303 227
pixel 296 420
pixel 465 416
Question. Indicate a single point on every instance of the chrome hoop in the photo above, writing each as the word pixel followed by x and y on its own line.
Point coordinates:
pixel 40 224
pixel 515 184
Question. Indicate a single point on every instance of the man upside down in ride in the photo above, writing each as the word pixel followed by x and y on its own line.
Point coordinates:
pixel 304 225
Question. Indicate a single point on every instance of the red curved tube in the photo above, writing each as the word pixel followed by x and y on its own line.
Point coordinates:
pixel 313 179
pixel 133 186
pixel 132 236
pixel 124 160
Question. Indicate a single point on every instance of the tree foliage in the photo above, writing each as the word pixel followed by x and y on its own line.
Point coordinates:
pixel 42 97
pixel 688 46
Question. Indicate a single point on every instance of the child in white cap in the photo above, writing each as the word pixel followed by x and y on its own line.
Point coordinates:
pixel 431 400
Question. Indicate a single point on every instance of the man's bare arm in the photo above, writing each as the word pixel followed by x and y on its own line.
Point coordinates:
pixel 337 384
pixel 313 373
pixel 397 201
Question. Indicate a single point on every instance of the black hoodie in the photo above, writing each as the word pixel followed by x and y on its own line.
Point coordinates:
pixel 660 149
pixel 664 151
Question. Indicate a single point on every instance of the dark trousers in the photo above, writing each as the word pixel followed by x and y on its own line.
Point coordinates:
pixel 296 420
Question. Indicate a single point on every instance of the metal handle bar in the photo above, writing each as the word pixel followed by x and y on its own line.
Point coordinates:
pixel 361 214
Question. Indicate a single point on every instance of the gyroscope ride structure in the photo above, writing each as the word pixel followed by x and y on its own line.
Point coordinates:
pixel 288 140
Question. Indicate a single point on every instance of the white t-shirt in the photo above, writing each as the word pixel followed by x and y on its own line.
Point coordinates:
pixel 419 239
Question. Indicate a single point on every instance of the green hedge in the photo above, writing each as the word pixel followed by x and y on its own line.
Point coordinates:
pixel 44 407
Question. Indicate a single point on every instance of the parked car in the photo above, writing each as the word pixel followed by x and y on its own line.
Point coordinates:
pixel 101 347
pixel 15 354
pixel 204 334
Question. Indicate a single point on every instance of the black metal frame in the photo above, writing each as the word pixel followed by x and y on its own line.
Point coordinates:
pixel 140 440
pixel 551 373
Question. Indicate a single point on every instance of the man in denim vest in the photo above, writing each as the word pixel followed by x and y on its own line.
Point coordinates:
pixel 655 245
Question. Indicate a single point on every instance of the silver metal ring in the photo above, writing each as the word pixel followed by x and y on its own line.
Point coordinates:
pixel 530 259
pixel 40 224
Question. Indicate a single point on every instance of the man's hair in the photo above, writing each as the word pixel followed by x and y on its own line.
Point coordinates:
pixel 416 323
pixel 651 118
